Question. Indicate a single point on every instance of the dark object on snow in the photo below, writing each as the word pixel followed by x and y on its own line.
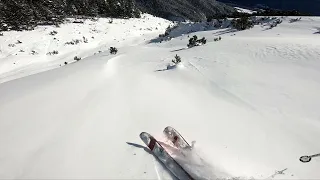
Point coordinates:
pixel 113 50
pixel 242 23
pixel 177 59
pixel 52 33
pixel 76 58
pixel 85 40
pixel 73 42
pixel 202 40
pixel 217 39
pixel 295 20
pixel 53 53
pixel 78 22
pixel 33 52
pixel 306 159
pixel 194 41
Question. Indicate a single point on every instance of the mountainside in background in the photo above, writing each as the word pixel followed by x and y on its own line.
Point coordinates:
pixel 25 14
pixel 184 9
pixel 310 6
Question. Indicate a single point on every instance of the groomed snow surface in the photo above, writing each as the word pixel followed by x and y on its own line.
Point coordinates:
pixel 251 100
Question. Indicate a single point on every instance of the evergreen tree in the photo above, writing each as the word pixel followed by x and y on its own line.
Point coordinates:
pixel 23 14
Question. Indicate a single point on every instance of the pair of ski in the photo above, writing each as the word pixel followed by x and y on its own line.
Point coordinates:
pixel 163 156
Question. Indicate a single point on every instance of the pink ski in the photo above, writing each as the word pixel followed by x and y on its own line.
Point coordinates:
pixel 164 157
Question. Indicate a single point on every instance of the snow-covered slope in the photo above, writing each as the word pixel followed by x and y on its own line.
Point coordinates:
pixel 242 10
pixel 93 36
pixel 250 101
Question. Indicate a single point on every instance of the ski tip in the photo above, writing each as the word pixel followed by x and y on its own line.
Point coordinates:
pixel 144 134
pixel 168 128
pixel 145 137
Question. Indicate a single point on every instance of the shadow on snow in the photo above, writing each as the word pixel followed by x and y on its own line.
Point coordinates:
pixel 169 67
pixel 150 152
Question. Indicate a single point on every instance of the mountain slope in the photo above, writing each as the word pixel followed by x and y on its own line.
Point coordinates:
pixel 310 6
pixel 27 52
pixel 26 14
pixel 30 13
pixel 250 101
pixel 184 9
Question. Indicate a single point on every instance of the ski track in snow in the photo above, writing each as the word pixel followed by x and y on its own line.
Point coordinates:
pixel 250 100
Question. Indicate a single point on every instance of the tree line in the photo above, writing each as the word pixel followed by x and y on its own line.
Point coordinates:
pixel 25 14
